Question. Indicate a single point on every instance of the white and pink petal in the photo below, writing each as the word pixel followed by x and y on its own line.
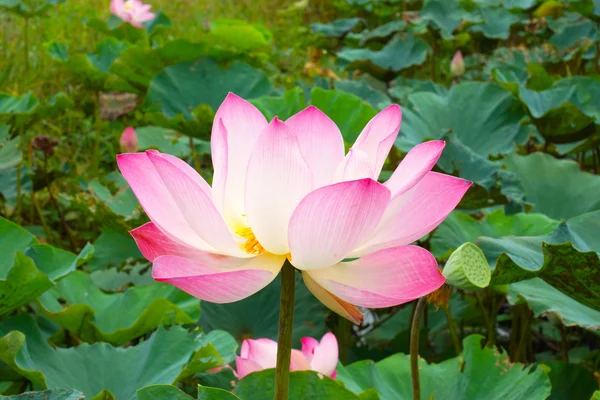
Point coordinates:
pixel 417 212
pixel 415 165
pixel 277 179
pixel 333 220
pixel 321 143
pixel 383 279
pixel 243 124
pixel 377 138
pixel 195 204
pixel 212 282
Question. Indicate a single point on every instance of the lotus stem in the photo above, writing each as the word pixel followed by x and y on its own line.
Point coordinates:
pixel 286 323
pixel 452 329
pixel 491 339
pixel 98 127
pixel 18 205
pixel 26 44
pixel 415 331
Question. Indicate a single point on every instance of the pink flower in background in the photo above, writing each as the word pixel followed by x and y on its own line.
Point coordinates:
pixel 259 354
pixel 457 65
pixel 286 190
pixel 133 11
pixel 129 141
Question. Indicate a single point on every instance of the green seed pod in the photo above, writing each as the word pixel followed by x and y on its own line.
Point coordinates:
pixel 467 268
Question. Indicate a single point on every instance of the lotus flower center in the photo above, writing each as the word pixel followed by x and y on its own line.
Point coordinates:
pixel 251 245
pixel 128 6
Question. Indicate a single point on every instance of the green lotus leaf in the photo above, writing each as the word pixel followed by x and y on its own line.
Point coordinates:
pixel 93 68
pixel 91 369
pixel 496 22
pixel 155 392
pixel 479 373
pixel 557 188
pixel 136 66
pixel 567 258
pixel 210 393
pixel 383 31
pixel 113 249
pixel 377 99
pixel 27 9
pixel 89 313
pixel 576 37
pixel 570 381
pixel 398 54
pixel 402 88
pixel 53 394
pixel 181 88
pixel 460 228
pixel 543 298
pixel 240 34
pixel 493 185
pixel 303 385
pixel 444 15
pixel 337 28
pixel 491 128
pixel 27 268
pixel 10 155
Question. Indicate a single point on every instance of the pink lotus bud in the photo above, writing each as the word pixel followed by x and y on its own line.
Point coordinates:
pixel 129 141
pixel 260 354
pixel 457 66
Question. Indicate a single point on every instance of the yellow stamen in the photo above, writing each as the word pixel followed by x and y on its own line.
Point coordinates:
pixel 250 246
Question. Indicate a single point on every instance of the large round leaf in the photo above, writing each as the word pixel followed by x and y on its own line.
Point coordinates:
pixel 53 394
pixel 163 358
pixel 542 298
pixel 27 268
pixel 183 87
pixel 91 314
pixel 460 228
pixel 136 66
pixel 240 34
pixel 496 22
pixel 303 385
pixel 482 115
pixel 568 258
pixel 480 373
pixel 398 54
pixel 336 29
pixel 557 188
pixel 444 15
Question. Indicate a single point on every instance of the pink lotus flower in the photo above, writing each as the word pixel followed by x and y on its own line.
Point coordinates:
pixel 259 354
pixel 285 190
pixel 129 141
pixel 457 65
pixel 133 11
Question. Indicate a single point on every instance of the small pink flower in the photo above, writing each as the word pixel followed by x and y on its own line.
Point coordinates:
pixel 129 141
pixel 133 11
pixel 287 190
pixel 259 354
pixel 457 66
